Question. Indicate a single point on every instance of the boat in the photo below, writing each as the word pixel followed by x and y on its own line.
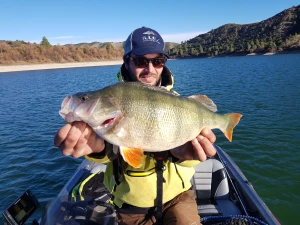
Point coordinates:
pixel 223 194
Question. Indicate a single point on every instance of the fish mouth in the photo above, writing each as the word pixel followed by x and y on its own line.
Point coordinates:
pixel 65 101
pixel 72 110
pixel 66 111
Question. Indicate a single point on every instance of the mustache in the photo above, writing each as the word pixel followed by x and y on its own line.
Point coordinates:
pixel 148 74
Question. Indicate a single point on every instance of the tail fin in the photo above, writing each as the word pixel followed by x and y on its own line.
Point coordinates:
pixel 233 120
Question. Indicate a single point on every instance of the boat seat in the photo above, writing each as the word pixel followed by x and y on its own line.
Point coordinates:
pixel 212 189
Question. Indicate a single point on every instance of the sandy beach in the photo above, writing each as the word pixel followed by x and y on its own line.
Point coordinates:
pixel 14 68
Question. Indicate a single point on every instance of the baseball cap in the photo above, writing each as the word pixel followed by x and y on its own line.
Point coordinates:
pixel 143 41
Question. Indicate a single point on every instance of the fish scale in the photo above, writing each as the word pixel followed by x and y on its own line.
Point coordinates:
pixel 161 121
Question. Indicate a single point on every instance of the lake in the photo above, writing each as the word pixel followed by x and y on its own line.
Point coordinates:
pixel 265 89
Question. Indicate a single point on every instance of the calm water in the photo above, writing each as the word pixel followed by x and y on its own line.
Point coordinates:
pixel 265 89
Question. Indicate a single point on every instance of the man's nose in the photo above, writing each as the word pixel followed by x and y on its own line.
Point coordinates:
pixel 150 67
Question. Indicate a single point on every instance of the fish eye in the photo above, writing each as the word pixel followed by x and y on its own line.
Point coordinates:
pixel 83 97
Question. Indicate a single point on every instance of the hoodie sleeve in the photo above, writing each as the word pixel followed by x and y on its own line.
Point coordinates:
pixel 185 163
pixel 182 162
pixel 109 153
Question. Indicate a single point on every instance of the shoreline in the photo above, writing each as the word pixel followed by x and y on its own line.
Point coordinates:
pixel 15 68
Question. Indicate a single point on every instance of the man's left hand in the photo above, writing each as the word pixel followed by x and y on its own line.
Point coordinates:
pixel 199 148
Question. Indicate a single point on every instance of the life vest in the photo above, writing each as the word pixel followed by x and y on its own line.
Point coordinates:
pixel 92 187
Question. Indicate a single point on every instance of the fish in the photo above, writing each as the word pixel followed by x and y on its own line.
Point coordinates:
pixel 141 118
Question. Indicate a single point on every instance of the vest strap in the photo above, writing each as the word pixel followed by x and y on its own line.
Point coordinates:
pixel 159 157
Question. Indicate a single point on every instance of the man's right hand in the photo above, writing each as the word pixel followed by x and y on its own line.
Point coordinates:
pixel 78 139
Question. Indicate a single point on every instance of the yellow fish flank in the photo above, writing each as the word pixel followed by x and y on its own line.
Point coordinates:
pixel 138 117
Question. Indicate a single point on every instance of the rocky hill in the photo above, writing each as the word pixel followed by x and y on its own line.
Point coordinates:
pixel 115 45
pixel 278 33
pixel 118 45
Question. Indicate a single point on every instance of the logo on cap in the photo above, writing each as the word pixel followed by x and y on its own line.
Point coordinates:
pixel 150 36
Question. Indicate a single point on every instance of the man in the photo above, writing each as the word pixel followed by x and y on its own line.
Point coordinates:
pixel 159 191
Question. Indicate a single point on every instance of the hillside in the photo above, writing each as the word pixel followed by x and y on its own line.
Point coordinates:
pixel 118 45
pixel 280 33
pixel 115 45
pixel 276 34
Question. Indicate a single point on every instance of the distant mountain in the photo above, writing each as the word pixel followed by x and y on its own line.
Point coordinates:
pixel 117 45
pixel 278 33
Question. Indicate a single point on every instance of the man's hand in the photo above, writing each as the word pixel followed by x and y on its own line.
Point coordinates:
pixel 78 139
pixel 199 148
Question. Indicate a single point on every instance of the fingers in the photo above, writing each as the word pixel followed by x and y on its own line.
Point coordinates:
pixel 199 152
pixel 81 146
pixel 209 135
pixel 78 139
pixel 89 142
pixel 62 134
pixel 96 143
pixel 203 144
pixel 206 145
pixel 71 140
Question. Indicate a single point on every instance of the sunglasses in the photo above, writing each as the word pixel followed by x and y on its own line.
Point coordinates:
pixel 142 62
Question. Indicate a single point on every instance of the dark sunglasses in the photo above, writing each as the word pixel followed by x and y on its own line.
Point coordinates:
pixel 142 62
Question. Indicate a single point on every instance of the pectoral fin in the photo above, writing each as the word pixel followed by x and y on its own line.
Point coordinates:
pixel 133 156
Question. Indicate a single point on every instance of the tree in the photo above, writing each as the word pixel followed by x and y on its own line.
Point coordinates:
pixel 201 49
pixel 232 47
pixel 248 46
pixel 45 42
pixel 3 47
pixel 109 47
pixel 180 52
pixel 193 51
pixel 185 48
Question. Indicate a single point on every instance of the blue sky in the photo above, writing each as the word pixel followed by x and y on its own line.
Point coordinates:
pixel 71 22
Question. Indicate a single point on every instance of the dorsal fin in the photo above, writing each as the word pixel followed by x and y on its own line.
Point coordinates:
pixel 154 88
pixel 204 100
